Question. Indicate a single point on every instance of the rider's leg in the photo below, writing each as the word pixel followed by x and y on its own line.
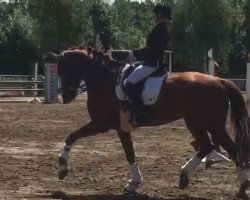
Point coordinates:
pixel 141 72
pixel 137 75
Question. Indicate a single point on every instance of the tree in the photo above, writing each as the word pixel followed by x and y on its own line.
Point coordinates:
pixel 53 23
pixel 61 23
pixel 83 29
pixel 101 23
pixel 199 26
pixel 4 22
pixel 237 33
pixel 247 25
pixel 30 29
pixel 130 24
pixel 16 48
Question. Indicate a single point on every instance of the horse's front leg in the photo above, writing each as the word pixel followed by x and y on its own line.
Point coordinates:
pixel 136 178
pixel 87 130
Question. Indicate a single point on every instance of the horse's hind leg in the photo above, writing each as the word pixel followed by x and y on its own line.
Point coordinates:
pixel 87 130
pixel 226 142
pixel 209 158
pixel 205 147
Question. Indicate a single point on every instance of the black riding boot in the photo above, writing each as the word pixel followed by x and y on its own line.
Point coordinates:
pixel 129 91
pixel 140 110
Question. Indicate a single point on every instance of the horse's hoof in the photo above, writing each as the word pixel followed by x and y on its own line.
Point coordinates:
pixel 184 181
pixel 130 193
pixel 242 196
pixel 242 192
pixel 62 168
pixel 63 173
pixel 130 188
pixel 208 164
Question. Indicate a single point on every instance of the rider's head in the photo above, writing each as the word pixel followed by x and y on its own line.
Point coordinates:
pixel 162 12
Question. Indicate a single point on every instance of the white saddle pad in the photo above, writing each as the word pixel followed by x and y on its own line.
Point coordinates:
pixel 150 93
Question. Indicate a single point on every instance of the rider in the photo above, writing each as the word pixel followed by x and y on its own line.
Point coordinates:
pixel 152 55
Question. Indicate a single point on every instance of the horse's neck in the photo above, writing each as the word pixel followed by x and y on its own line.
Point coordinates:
pixel 99 80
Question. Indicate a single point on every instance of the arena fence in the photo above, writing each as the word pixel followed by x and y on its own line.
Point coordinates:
pixel 243 84
pixel 22 85
pixel 34 86
pixel 49 83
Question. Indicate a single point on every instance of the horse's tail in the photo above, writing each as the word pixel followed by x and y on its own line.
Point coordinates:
pixel 240 119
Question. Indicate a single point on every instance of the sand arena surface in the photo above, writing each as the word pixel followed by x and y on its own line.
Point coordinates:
pixel 32 136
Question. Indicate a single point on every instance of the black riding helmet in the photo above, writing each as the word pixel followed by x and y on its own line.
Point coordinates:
pixel 164 10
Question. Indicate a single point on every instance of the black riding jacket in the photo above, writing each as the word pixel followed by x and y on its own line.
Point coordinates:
pixel 157 42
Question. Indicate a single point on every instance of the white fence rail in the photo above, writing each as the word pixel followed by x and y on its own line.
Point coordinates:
pixel 20 83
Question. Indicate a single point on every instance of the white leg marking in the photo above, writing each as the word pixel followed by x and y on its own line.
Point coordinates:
pixel 62 168
pixel 65 152
pixel 136 178
pixel 191 165
pixel 242 174
pixel 135 173
pixel 207 158
pixel 218 156
pixel 215 156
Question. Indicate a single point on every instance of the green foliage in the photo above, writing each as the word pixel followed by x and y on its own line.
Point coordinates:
pixel 101 24
pixel 82 28
pixel 132 21
pixel 4 22
pixel 247 25
pixel 53 23
pixel 29 29
pixel 16 47
pixel 199 26
pixel 237 32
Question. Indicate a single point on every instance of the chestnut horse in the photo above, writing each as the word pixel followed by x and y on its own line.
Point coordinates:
pixel 201 100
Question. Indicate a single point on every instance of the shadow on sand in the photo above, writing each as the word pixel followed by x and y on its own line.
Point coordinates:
pixel 63 196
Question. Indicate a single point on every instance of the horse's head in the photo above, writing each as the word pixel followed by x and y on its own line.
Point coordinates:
pixel 71 71
pixel 78 64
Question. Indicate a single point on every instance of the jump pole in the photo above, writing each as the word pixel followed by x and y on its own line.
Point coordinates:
pixel 35 98
pixel 51 83
pixel 210 62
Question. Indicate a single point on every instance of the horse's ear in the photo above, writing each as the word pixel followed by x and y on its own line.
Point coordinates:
pixel 52 57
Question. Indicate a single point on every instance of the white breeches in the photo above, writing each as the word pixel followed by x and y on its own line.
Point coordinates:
pixel 141 72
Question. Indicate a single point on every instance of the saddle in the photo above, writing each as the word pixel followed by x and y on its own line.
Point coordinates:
pixel 147 90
